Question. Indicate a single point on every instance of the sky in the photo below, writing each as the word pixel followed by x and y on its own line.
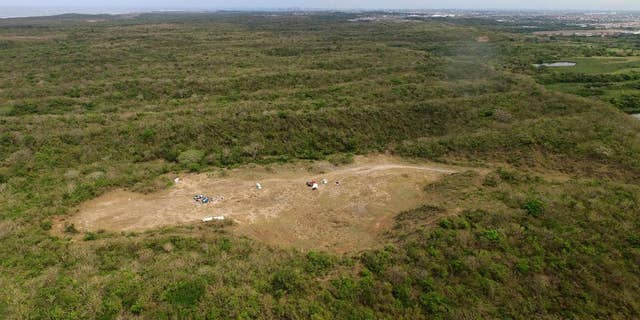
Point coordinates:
pixel 333 4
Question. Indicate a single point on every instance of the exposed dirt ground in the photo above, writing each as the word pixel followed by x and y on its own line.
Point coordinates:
pixel 345 217
pixel 13 37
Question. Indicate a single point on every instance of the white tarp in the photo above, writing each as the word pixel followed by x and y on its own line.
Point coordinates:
pixel 207 219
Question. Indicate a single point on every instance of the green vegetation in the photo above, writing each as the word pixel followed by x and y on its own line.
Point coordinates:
pixel 88 107
pixel 612 79
pixel 607 68
pixel 497 260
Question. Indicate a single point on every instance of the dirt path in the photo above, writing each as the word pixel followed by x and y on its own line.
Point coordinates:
pixel 371 168
pixel 345 217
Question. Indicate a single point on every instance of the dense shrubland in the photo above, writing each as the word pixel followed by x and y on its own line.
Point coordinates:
pixel 89 107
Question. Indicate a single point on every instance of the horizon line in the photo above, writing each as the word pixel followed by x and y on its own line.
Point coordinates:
pixel 95 10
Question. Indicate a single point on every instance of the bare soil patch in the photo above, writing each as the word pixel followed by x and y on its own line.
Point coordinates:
pixel 14 37
pixel 348 216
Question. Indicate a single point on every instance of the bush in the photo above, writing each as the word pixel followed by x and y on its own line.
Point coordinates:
pixel 185 293
pixel 89 236
pixel 190 157
pixel 70 228
pixel 23 109
pixel 345 288
pixel 318 262
pixel 492 235
pixel 112 256
pixel 634 241
pixel 533 207
pixel 194 167
pixel 287 281
pixel 490 181
pixel 377 261
pixel 46 225
pixel 224 244
pixel 147 135
pixel 137 308
pixel 628 103
pixel 120 293
pixel 81 192
pixel 433 303
pixel 523 267
pixel 402 292
pixel 454 223
pixel 340 159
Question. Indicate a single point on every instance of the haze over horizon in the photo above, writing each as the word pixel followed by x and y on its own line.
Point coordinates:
pixel 8 9
pixel 333 4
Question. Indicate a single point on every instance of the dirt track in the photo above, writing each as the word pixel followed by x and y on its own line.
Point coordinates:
pixel 344 217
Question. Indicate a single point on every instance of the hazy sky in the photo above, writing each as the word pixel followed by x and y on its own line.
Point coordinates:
pixel 408 4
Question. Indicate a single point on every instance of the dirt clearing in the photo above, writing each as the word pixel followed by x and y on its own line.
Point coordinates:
pixel 342 217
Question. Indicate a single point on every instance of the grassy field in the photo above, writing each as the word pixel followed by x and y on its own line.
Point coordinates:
pixel 599 65
pixel 549 230
pixel 607 68
pixel 612 79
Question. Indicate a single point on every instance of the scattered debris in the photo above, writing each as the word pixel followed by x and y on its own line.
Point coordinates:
pixel 258 186
pixel 324 181
pixel 206 199
pixel 313 184
pixel 269 214
pixel 176 180
pixel 209 219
